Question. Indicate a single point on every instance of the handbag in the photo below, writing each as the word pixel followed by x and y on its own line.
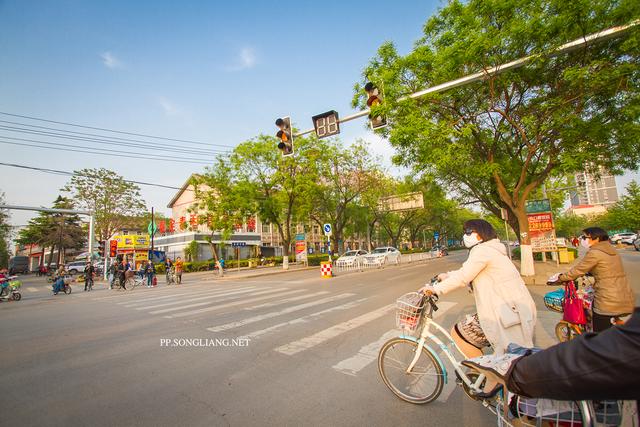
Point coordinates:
pixel 573 306
pixel 509 315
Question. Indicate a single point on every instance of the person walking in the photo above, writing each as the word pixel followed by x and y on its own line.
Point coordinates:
pixel 612 292
pixel 179 268
pixel 149 272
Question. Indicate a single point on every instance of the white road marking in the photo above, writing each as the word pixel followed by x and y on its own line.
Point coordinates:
pixel 273 314
pixel 32 289
pixel 232 304
pixel 272 304
pixel 142 301
pixel 189 299
pixel 369 352
pixel 332 332
pixel 305 319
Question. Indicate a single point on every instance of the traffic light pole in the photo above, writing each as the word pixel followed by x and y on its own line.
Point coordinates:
pixel 567 47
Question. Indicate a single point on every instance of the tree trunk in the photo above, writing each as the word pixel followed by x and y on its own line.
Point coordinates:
pixel 215 257
pixel 526 251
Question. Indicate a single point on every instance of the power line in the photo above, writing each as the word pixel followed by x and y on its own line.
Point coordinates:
pixel 111 130
pixel 101 140
pixel 66 173
pixel 142 156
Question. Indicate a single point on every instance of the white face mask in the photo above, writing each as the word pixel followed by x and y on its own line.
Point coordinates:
pixel 470 240
pixel 585 243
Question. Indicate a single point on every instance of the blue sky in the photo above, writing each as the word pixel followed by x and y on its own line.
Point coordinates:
pixel 218 72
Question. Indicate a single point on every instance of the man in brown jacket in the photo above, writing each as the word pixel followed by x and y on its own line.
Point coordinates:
pixel 613 294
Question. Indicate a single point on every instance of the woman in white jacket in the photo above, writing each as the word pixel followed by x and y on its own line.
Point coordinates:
pixel 506 313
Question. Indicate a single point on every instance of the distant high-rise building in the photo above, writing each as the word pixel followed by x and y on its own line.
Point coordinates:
pixel 594 191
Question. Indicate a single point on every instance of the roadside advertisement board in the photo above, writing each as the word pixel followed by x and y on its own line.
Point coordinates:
pixel 541 229
pixel 301 248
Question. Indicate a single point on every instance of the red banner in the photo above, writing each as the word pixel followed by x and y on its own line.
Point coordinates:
pixel 540 222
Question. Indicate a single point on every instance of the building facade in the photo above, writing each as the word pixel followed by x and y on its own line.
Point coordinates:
pixel 595 191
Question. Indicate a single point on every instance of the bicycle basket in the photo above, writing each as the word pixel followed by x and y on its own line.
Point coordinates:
pixel 409 308
pixel 536 412
pixel 553 300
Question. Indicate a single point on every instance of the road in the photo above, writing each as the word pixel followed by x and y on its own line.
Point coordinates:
pixel 291 349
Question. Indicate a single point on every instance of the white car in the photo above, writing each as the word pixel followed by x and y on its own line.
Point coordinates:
pixel 350 258
pixel 627 238
pixel 382 256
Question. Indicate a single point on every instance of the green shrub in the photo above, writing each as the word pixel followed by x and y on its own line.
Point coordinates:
pixel 160 268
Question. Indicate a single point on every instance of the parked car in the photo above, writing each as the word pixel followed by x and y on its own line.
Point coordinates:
pixel 439 251
pixel 382 256
pixel 636 244
pixel 18 265
pixel 75 267
pixel 627 238
pixel 350 258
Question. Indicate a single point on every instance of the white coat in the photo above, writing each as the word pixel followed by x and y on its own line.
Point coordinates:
pixel 506 311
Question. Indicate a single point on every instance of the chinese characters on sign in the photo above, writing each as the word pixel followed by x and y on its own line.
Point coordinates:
pixel 541 228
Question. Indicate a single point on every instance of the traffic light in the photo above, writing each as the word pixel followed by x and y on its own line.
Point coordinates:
pixel 101 248
pixel 374 99
pixel 113 248
pixel 285 136
pixel 326 124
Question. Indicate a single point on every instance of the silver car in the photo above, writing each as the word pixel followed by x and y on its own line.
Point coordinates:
pixel 382 256
pixel 351 258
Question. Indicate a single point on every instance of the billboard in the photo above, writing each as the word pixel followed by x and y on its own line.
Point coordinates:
pixel 402 202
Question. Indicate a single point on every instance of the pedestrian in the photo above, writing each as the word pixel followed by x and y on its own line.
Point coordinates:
pixel 575 242
pixel 122 269
pixel 613 296
pixel 179 268
pixel 149 271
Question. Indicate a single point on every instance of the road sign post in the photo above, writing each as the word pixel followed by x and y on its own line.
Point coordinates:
pixel 327 232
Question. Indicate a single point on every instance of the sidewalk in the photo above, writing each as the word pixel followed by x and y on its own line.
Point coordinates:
pixel 243 273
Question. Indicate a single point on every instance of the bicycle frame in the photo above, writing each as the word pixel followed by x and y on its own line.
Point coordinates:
pixel 427 334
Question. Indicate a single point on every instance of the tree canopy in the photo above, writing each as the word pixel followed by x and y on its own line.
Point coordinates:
pixel 499 139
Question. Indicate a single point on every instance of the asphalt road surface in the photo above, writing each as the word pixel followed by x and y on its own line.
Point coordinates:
pixel 291 349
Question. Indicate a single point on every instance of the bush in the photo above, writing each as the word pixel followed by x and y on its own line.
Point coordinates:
pixel 160 268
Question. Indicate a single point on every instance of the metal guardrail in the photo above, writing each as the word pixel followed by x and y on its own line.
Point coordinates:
pixel 362 265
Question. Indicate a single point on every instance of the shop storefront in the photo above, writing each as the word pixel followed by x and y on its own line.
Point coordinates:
pixel 133 247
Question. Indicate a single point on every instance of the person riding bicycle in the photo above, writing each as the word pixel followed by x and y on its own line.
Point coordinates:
pixel 506 312
pixel 593 366
pixel 89 271
pixel 613 295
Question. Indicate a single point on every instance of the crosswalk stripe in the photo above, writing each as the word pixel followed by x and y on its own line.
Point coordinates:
pixel 369 352
pixel 234 304
pixel 200 298
pixel 144 301
pixel 200 304
pixel 273 304
pixel 287 310
pixel 332 332
pixel 304 319
pixel 31 289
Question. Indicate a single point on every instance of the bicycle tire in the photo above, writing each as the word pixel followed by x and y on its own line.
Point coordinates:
pixel 129 284
pixel 566 331
pixel 409 347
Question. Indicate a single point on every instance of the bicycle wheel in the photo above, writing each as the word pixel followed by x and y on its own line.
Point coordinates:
pixel 566 331
pixel 423 384
pixel 129 284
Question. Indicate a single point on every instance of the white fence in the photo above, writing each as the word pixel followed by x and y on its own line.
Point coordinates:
pixel 361 265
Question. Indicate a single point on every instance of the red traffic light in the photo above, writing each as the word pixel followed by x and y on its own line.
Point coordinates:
pixel 374 99
pixel 113 248
pixel 285 136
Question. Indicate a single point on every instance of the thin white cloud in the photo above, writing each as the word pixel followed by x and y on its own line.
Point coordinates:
pixel 246 59
pixel 110 60
pixel 168 107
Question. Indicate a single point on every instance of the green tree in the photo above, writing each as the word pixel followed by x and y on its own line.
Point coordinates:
pixel 344 174
pixel 5 235
pixel 499 139
pixel 55 230
pixel 625 213
pixel 568 225
pixel 111 199
pixel 191 251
